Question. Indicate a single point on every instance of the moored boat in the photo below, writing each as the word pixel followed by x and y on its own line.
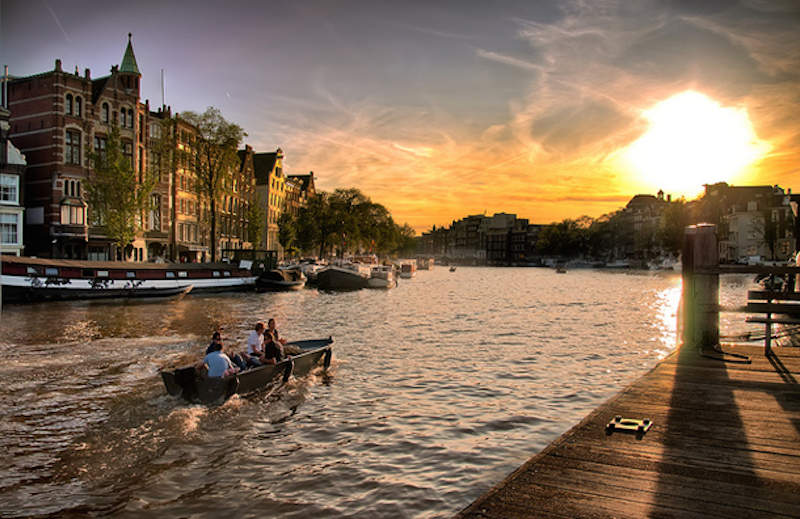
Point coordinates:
pixel 408 269
pixel 193 386
pixel 382 276
pixel 32 279
pixel 345 276
pixel 425 263
pixel 280 280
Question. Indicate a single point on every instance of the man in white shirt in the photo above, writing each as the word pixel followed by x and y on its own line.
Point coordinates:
pixel 255 345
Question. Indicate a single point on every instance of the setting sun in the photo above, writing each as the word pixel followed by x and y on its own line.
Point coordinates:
pixel 692 141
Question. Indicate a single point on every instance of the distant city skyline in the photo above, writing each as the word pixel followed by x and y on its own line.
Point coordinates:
pixel 438 110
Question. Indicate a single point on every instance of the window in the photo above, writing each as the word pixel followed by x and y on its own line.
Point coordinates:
pixel 100 146
pixel 130 118
pixel 9 228
pixel 155 212
pixel 68 104
pixel 104 113
pixel 9 189
pixel 72 188
pixel 122 118
pixel 127 150
pixel 78 106
pixel 72 147
pixel 72 215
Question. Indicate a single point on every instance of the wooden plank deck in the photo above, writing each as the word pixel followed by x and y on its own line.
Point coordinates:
pixel 725 442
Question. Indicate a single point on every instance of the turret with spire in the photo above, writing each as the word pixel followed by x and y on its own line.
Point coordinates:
pixel 129 70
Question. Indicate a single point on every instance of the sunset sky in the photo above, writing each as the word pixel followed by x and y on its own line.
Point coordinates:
pixel 443 109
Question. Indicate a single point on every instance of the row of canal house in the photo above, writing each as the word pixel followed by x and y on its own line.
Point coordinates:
pixel 57 116
pixel 500 239
pixel 755 223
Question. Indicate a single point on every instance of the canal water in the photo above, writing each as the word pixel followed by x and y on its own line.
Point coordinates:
pixel 439 388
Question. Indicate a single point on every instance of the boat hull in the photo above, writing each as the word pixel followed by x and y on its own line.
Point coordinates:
pixel 187 383
pixel 280 280
pixel 21 293
pixel 339 278
pixel 32 279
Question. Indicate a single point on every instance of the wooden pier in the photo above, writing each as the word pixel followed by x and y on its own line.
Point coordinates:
pixel 724 442
pixel 723 438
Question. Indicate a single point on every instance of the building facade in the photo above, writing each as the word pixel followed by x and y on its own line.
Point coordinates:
pixel 56 118
pixel 271 189
pixel 12 191
pixel 756 223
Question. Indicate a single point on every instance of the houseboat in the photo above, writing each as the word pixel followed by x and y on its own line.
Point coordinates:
pixel 32 279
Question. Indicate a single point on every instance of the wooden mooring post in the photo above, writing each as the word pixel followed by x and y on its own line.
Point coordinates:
pixel 700 256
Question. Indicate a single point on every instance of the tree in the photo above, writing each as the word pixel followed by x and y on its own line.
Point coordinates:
pixel 118 196
pixel 348 217
pixel 316 224
pixel 212 155
pixel 256 221
pixel 287 230
pixel 564 239
pixel 674 221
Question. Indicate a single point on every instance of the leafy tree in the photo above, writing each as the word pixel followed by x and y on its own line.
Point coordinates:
pixel 349 218
pixel 316 224
pixel 117 195
pixel 561 239
pixel 212 155
pixel 408 240
pixel 257 221
pixel 287 230
pixel 674 220
pixel 766 228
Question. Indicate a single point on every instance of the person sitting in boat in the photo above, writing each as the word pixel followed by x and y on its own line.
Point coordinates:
pixel 287 350
pixel 255 345
pixel 273 349
pixel 219 364
pixel 238 360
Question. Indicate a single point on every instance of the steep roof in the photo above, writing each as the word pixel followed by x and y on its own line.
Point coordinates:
pixel 263 164
pixel 129 65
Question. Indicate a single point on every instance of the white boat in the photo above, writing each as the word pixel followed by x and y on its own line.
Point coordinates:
pixel 408 269
pixel 382 276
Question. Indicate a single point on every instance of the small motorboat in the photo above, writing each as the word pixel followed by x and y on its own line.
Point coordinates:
pixel 382 276
pixel 194 386
pixel 280 279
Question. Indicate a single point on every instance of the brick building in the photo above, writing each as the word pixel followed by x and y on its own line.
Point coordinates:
pixel 56 117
